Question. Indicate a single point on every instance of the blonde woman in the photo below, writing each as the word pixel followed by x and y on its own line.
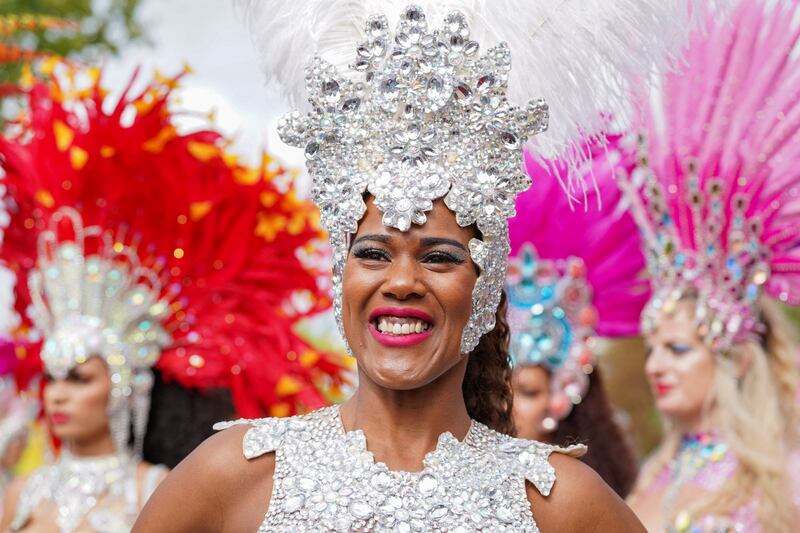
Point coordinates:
pixel 728 458
pixel 715 195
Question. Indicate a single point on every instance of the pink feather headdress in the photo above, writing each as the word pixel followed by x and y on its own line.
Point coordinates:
pixel 574 273
pixel 717 190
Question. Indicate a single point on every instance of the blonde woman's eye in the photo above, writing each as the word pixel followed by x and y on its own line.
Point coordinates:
pixel 678 348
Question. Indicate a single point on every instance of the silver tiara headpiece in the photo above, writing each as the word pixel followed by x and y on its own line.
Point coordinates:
pixel 100 303
pixel 427 118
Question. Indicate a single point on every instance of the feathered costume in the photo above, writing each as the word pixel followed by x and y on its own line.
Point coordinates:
pixel 221 239
pixel 429 111
pixel 716 194
pixel 719 190
pixel 574 273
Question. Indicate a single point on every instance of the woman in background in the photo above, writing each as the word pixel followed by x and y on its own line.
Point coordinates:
pixel 716 193
pixel 575 274
pixel 135 247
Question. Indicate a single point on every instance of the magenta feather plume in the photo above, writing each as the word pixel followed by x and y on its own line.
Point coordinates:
pixel 735 111
pixel 606 237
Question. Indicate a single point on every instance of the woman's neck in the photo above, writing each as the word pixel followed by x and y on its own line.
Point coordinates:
pixel 95 447
pixel 694 425
pixel 401 426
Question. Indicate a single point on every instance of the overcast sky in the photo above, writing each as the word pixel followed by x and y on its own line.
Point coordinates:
pixel 206 35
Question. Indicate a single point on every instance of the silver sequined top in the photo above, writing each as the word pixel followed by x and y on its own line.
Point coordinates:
pixel 326 480
pixel 89 494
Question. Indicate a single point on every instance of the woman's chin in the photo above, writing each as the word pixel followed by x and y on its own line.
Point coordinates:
pixel 676 412
pixel 397 373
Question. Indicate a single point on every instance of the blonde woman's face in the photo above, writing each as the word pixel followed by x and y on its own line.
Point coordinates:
pixel 680 368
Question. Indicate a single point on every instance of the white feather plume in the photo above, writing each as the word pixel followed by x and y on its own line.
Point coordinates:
pixel 577 54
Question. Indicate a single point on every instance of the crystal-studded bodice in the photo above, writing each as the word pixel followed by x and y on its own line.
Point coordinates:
pixel 326 480
pixel 101 495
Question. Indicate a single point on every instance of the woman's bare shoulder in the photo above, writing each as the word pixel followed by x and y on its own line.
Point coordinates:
pixel 580 501
pixel 11 499
pixel 213 487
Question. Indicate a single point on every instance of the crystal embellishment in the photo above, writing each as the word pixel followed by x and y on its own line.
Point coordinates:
pixel 326 479
pixel 100 491
pixel 103 303
pixel 423 116
pixel 723 264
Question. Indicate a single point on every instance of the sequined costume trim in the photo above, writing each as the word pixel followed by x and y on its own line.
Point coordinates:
pixel 326 479
pixel 102 493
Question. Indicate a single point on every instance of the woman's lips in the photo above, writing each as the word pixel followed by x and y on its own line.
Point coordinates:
pixel 59 418
pixel 662 389
pixel 380 318
pixel 400 312
pixel 398 341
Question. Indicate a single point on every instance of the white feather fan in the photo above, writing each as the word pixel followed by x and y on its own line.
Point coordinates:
pixel 577 54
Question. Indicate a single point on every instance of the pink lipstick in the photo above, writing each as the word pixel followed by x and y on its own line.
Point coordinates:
pixel 399 340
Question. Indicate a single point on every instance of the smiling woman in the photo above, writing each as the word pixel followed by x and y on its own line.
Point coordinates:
pixel 416 157
pixel 394 281
pixel 414 427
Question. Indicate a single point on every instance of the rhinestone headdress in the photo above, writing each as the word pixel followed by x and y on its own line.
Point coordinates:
pixel 563 292
pixel 429 120
pixel 100 304
pixel 551 317
pixel 716 190
pixel 422 114
pixel 147 247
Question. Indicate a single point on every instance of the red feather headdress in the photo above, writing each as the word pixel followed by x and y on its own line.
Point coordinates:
pixel 225 240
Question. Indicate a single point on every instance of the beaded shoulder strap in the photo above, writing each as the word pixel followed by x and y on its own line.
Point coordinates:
pixel 265 435
pixel 530 459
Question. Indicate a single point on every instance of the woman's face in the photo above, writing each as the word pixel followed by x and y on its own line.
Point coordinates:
pixel 531 386
pixel 680 368
pixel 407 297
pixel 76 407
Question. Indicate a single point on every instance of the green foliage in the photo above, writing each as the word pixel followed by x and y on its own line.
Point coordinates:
pixel 99 27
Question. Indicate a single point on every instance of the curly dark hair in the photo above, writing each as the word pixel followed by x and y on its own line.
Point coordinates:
pixel 180 419
pixel 487 382
pixel 592 423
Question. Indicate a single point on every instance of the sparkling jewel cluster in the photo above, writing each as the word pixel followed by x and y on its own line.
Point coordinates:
pixel 326 479
pixel 102 303
pixel 552 321
pixel 724 266
pixel 698 451
pixel 428 118
pixel 101 492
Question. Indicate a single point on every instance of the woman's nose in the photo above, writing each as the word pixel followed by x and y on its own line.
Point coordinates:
pixel 403 280
pixel 56 391
pixel 655 361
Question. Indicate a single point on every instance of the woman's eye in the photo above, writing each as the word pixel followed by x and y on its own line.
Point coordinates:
pixel 442 257
pixel 371 254
pixel 74 377
pixel 678 348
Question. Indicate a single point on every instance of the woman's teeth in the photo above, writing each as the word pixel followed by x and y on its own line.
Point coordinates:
pixel 402 326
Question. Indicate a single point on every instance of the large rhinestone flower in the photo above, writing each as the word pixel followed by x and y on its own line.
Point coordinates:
pixel 414 144
pixel 403 197
pixel 486 198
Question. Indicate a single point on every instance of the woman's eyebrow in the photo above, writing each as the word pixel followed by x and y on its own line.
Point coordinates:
pixel 433 241
pixel 373 237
